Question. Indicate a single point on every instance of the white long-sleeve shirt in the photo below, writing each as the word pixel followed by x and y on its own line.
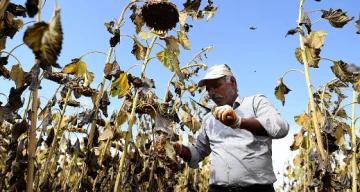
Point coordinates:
pixel 237 157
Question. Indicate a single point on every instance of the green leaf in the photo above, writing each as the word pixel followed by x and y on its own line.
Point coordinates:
pixel 170 60
pixel 183 39
pixel 76 67
pixel 120 86
pixel 312 56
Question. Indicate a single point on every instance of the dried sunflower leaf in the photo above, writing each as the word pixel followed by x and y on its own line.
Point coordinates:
pixel 306 22
pixel 294 31
pixel 32 7
pixel 312 56
pixel 183 39
pixel 357 24
pixel 18 75
pixel 337 18
pixel 139 51
pixel 281 90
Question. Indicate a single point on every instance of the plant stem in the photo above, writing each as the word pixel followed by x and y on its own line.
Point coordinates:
pixel 93 123
pixel 132 116
pixel 173 75
pixel 353 144
pixel 291 70
pixel 308 83
pixel 32 133
pixel 53 144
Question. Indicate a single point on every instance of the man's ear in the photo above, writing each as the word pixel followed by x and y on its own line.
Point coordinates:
pixel 233 81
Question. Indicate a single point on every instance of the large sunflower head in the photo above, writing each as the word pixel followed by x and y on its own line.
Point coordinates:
pixel 160 15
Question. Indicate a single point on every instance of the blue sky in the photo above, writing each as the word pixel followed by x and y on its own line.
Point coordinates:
pixel 257 57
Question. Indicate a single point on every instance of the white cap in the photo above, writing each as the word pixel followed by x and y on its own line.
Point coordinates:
pixel 216 72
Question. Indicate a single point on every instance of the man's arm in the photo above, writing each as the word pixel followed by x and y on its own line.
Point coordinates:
pixel 268 121
pixel 196 153
pixel 269 117
pixel 254 126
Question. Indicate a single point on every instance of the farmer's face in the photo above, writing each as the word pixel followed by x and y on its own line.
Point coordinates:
pixel 221 92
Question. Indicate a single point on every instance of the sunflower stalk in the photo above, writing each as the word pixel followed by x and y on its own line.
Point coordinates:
pixel 102 84
pixel 308 83
pixel 53 144
pixel 132 116
pixel 32 132
pixel 353 143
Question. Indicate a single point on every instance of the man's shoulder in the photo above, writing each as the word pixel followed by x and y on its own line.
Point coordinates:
pixel 255 96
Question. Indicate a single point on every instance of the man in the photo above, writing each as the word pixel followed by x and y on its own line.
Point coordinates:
pixel 237 136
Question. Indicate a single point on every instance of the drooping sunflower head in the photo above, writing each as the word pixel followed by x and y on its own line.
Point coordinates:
pixel 160 15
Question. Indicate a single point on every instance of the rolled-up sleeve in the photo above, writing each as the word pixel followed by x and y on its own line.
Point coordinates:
pixel 269 117
pixel 201 149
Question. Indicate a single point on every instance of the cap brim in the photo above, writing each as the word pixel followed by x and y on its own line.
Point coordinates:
pixel 202 81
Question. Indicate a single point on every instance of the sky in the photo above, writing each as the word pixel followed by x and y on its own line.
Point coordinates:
pixel 258 58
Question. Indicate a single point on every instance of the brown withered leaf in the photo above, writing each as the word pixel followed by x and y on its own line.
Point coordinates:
pixel 14 101
pixel 112 70
pixel 9 25
pixel 357 24
pixel 172 43
pixel 312 56
pixel 50 137
pixel 192 5
pixel 4 60
pixel 91 161
pixel 109 26
pixel 19 128
pixel 298 138
pixel 32 7
pixel 2 43
pixel 294 31
pixel 139 51
pixel 18 75
pixel 45 40
pixel 305 20
pixel 316 39
pixel 337 18
pixel 86 117
pixel 104 102
pixel 280 91
pixel 16 10
pixel 183 39
pixel 138 23
pixel 147 85
pixel 4 72
pixel 340 70
pixel 115 39
pixel 32 77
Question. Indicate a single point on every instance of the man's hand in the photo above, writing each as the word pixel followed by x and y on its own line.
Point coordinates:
pixel 227 116
pixel 177 148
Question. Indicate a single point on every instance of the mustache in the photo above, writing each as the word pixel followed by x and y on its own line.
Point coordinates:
pixel 215 96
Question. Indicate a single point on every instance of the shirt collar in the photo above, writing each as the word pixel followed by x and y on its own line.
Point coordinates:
pixel 237 102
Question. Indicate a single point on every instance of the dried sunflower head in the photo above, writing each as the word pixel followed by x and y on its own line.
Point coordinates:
pixel 160 15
